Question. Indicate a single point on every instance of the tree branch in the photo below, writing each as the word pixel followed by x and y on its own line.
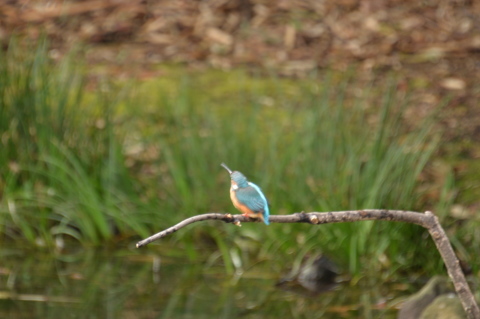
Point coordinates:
pixel 427 220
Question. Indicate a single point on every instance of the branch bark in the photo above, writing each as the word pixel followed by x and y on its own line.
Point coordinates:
pixel 427 220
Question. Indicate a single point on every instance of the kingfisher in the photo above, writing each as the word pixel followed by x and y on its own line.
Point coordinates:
pixel 247 197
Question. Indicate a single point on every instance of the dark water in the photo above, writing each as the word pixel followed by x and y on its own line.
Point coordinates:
pixel 127 284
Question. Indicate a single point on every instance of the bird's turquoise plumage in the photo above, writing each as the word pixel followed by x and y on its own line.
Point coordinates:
pixel 248 197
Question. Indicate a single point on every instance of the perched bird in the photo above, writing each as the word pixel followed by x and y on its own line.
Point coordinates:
pixel 247 197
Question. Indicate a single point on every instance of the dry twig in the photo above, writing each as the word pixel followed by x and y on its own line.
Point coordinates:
pixel 427 220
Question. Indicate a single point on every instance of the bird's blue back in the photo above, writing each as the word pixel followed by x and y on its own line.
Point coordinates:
pixel 253 198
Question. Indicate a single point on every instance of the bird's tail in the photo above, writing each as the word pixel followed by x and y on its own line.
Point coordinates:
pixel 265 217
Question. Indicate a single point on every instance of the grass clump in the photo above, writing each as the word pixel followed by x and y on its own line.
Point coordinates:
pixel 61 160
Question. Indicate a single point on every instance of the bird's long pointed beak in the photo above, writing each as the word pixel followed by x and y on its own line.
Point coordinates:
pixel 226 167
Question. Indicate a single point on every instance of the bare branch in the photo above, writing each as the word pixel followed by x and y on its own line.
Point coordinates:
pixel 427 220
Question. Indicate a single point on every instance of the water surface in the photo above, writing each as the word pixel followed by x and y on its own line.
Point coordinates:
pixel 145 284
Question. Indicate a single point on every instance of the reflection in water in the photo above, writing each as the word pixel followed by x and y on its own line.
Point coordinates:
pixel 125 284
pixel 317 275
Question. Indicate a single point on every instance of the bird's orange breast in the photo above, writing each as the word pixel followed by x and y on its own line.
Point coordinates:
pixel 241 207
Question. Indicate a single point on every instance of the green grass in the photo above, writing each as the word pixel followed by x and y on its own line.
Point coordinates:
pixel 131 159
pixel 61 158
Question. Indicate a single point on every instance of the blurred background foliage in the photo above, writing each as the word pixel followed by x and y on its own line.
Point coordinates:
pixel 127 158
